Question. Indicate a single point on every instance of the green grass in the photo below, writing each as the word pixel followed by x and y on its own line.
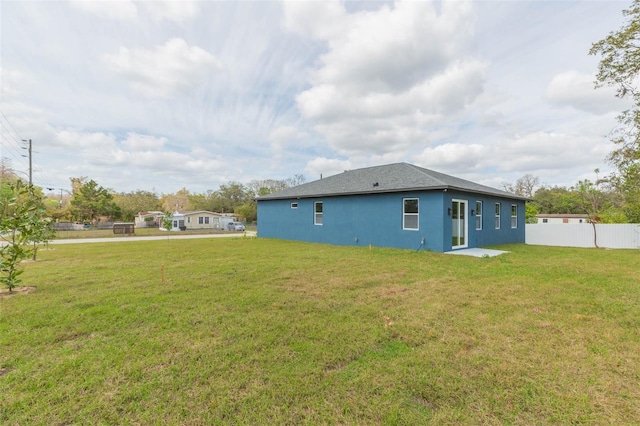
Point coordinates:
pixel 252 331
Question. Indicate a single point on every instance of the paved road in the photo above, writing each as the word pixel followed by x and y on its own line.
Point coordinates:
pixel 169 236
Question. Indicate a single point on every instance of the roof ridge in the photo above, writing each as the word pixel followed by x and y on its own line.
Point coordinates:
pixel 428 173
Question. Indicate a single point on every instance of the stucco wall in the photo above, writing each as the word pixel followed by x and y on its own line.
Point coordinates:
pixel 361 220
pixel 489 235
pixel 353 220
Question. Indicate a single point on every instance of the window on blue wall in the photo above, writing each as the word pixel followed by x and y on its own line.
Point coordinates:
pixel 317 215
pixel 497 216
pixel 294 205
pixel 478 215
pixel 514 216
pixel 410 213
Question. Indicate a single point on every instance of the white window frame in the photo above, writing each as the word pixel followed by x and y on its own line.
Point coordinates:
pixel 318 215
pixel 294 205
pixel 478 215
pixel 411 214
pixel 206 220
pixel 200 220
pixel 498 208
pixel 514 217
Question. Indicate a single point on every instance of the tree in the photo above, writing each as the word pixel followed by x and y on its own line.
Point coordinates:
pixel 21 222
pixel 620 67
pixel 556 200
pixel 232 195
pixel 247 212
pixel 90 201
pixel 591 201
pixel 207 201
pixel 176 202
pixel 132 203
pixel 267 186
pixel 524 187
pixel 531 213
pixel 6 170
pixel 42 233
pixel 256 188
pixel 167 221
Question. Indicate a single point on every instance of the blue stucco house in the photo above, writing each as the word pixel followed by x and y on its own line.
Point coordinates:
pixel 397 205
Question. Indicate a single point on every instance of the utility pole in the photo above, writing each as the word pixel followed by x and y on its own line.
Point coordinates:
pixel 30 162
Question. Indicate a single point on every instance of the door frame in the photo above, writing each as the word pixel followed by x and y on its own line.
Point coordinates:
pixel 463 206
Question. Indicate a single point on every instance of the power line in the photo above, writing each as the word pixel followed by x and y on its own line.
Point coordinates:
pixel 10 125
pixel 16 139
pixel 18 158
pixel 15 142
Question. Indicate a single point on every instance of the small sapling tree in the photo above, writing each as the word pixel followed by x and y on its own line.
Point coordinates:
pixel 20 221
pixel 43 232
pixel 167 221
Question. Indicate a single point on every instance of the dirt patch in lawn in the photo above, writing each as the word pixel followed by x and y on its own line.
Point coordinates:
pixel 5 294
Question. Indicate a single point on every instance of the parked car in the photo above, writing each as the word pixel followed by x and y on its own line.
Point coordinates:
pixel 235 226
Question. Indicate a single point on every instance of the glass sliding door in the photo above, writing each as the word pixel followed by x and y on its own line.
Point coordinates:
pixel 459 223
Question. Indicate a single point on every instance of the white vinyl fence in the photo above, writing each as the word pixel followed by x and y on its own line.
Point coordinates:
pixel 620 236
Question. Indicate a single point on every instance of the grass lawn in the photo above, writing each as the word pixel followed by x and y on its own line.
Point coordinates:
pixel 256 332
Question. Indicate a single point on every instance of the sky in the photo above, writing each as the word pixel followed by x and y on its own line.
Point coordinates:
pixel 165 95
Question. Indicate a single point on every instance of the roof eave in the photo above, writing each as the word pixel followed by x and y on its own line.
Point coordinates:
pixel 389 191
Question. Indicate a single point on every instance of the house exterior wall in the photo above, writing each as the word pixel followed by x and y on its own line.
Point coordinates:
pixel 192 220
pixel 149 219
pixel 489 235
pixel 177 221
pixel 377 220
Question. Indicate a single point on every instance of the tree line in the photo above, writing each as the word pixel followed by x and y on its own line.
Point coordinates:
pixel 90 202
pixel 601 199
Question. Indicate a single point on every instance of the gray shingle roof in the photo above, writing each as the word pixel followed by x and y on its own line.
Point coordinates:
pixel 398 177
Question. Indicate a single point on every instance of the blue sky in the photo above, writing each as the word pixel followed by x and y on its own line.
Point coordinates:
pixel 166 95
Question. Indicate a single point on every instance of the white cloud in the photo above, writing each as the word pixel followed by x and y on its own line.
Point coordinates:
pixel 110 9
pixel 165 71
pixel 539 153
pixel 388 74
pixel 137 156
pixel 196 93
pixel 128 10
pixel 326 167
pixel 11 80
pixel 449 156
pixel 572 89
pixel 285 135
pixel 136 142
pixel 171 10
pixel 315 19
pixel 542 150
pixel 80 141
